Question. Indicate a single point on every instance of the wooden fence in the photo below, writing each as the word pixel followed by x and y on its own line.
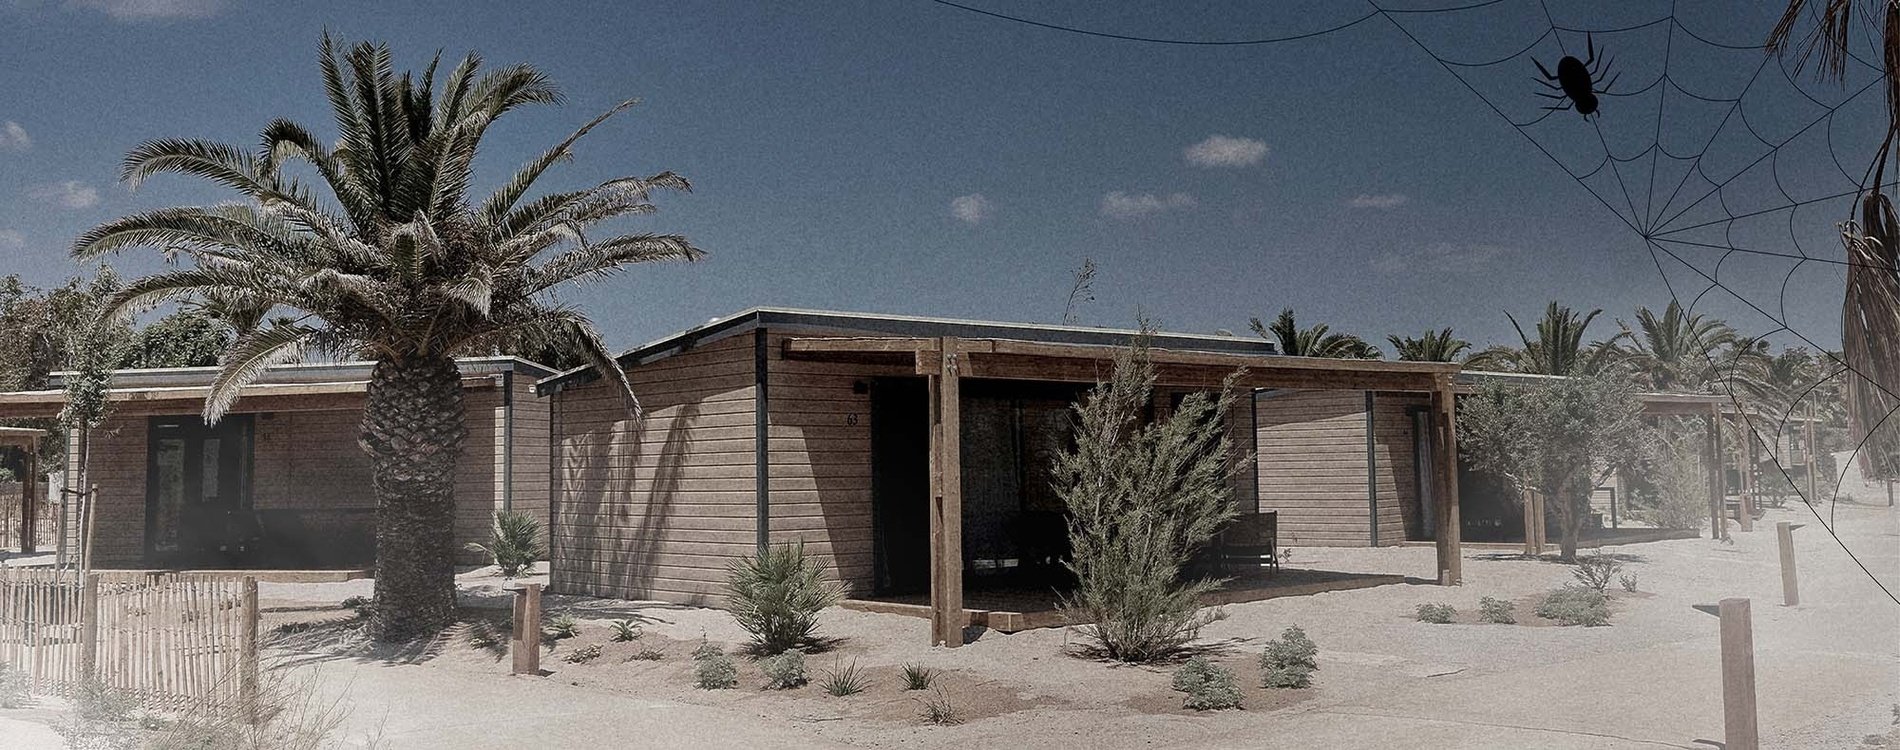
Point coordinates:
pixel 170 640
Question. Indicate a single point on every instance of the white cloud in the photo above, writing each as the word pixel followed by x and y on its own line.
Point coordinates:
pixel 13 137
pixel 1226 151
pixel 1441 256
pixel 1127 206
pixel 71 194
pixel 11 240
pixel 151 10
pixel 972 208
pixel 1381 200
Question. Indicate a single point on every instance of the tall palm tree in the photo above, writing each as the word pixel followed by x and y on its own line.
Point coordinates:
pixel 1317 341
pixel 1677 350
pixel 398 263
pixel 1434 346
pixel 1559 347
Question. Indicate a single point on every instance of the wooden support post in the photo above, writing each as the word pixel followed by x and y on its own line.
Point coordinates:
pixel 1532 547
pixel 1745 456
pixel 1718 522
pixel 29 502
pixel 946 498
pixel 1790 586
pixel 1738 676
pixel 89 629
pixel 247 649
pixel 1814 464
pixel 1444 419
pixel 524 643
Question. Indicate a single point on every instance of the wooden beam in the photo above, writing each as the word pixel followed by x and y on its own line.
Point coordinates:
pixel 946 498
pixel 1444 420
pixel 1712 458
pixel 29 502
pixel 1814 464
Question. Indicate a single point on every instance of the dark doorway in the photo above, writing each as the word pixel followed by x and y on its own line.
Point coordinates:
pixel 198 492
pixel 900 485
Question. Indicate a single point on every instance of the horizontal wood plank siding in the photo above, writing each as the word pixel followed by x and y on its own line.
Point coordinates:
pixel 1312 466
pixel 656 508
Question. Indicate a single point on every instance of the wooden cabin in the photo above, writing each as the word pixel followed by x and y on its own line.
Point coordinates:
pixel 280 481
pixel 828 428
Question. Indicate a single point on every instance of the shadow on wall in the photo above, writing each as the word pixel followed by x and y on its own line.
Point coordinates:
pixel 610 524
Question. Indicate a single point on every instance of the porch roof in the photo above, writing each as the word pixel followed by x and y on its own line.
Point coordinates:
pixel 159 399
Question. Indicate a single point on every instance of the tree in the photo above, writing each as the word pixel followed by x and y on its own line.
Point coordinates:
pixel 1317 341
pixel 1560 437
pixel 189 337
pixel 1434 346
pixel 398 263
pixel 1142 499
pixel 1677 351
pixel 1559 348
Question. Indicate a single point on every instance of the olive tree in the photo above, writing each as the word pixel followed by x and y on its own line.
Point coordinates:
pixel 1560 436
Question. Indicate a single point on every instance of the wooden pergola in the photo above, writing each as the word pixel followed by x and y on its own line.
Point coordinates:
pixel 946 361
pixel 27 440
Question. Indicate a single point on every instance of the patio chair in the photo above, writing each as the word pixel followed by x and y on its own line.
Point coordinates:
pixel 1251 541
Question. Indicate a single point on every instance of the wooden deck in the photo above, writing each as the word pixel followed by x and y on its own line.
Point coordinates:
pixel 1014 609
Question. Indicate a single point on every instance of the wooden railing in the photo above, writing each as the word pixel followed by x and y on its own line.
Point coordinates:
pixel 170 640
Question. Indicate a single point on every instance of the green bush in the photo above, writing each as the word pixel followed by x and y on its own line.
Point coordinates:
pixel 1497 611
pixel 841 680
pixel 777 596
pixel 785 671
pixel 937 709
pixel 1596 571
pixel 1437 613
pixel 1290 661
pixel 918 677
pixel 515 543
pixel 360 605
pixel 1575 605
pixel 1629 582
pixel 647 654
pixel 625 630
pixel 561 627
pixel 714 669
pixel 583 654
pixel 1209 687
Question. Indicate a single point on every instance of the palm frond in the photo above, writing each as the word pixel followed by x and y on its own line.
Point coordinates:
pixel 254 352
pixel 609 257
pixel 502 200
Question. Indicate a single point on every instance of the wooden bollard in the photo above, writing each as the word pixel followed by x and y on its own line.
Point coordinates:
pixel 1738 676
pixel 1790 586
pixel 247 649
pixel 526 640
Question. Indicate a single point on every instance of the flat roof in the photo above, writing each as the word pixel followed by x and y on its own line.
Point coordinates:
pixel 133 379
pixel 910 326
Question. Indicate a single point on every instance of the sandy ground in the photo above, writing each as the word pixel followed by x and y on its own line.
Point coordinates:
pixel 1828 670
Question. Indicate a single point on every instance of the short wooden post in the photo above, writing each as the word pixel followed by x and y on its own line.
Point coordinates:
pixel 525 643
pixel 1814 466
pixel 1718 513
pixel 1790 587
pixel 29 502
pixel 247 649
pixel 1745 454
pixel 89 629
pixel 1738 676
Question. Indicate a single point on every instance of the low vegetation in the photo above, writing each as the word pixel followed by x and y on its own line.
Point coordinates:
pixel 1575 605
pixel 714 669
pixel 1209 686
pixel 1628 582
pixel 1595 572
pixel 514 545
pixel 624 631
pixel 13 687
pixel 583 654
pixel 918 677
pixel 360 605
pixel 290 714
pixel 1289 661
pixel 784 671
pixel 1497 611
pixel 841 680
pixel 561 627
pixel 938 710
pixel 777 595
pixel 1437 613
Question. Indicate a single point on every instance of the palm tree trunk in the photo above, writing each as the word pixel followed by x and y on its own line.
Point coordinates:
pixel 413 429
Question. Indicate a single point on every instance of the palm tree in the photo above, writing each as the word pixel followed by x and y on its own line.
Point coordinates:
pixel 399 265
pixel 1559 348
pixel 1317 341
pixel 1677 350
pixel 1434 346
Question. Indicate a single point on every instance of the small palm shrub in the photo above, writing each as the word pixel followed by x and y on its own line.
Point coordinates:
pixel 714 669
pixel 1575 605
pixel 1596 571
pixel 938 710
pixel 1209 687
pixel 785 671
pixel 1497 611
pixel 1436 613
pixel 842 680
pixel 918 677
pixel 515 543
pixel 1290 661
pixel 561 627
pixel 583 654
pixel 777 596
pixel 625 630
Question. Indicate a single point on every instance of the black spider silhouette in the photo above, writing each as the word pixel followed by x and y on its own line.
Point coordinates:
pixel 1576 81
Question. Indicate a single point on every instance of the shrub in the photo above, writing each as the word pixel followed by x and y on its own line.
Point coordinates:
pixel 1628 582
pixel 714 669
pixel 785 671
pixel 1575 605
pixel 357 604
pixel 842 681
pixel 583 654
pixel 937 709
pixel 1437 613
pixel 625 630
pixel 1208 685
pixel 561 627
pixel 1143 497
pixel 1596 571
pixel 918 677
pixel 514 544
pixel 1290 661
pixel 1497 611
pixel 13 684
pixel 777 596
pixel 647 654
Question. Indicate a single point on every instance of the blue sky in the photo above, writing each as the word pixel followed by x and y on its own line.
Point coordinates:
pixel 902 156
